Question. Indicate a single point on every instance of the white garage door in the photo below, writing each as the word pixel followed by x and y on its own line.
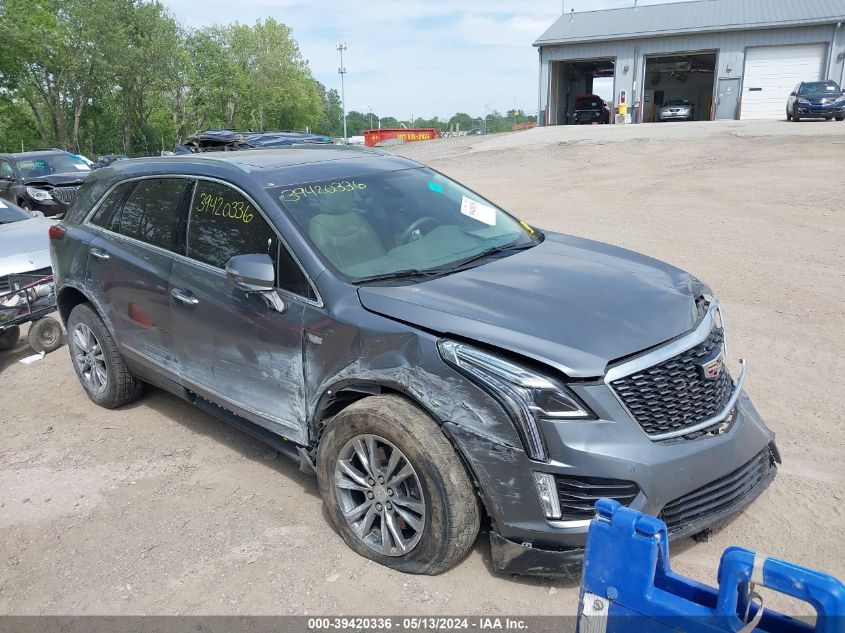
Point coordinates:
pixel 771 72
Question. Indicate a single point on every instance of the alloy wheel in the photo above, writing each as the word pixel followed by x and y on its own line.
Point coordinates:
pixel 380 495
pixel 89 358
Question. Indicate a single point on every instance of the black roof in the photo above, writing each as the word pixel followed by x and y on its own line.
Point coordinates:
pixel 269 167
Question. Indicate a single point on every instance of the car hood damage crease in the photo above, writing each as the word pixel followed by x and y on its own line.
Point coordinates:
pixel 571 303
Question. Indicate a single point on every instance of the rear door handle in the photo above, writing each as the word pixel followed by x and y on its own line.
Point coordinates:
pixel 183 296
pixel 99 253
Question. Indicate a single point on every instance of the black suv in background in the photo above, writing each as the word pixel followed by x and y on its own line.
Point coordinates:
pixel 46 180
pixel 425 352
pixel 590 109
pixel 816 100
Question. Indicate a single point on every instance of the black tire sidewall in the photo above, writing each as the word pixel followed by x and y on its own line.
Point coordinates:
pixel 85 315
pixel 37 331
pixel 435 538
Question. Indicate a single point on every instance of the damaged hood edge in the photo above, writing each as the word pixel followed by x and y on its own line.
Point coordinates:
pixel 571 303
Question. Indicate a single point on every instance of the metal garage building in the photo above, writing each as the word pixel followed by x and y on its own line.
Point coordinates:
pixel 733 59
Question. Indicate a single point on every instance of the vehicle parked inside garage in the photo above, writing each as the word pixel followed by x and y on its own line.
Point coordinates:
pixel 44 180
pixel 430 356
pixel 816 100
pixel 676 110
pixel 590 109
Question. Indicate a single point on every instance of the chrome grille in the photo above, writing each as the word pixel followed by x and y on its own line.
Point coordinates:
pixel 718 495
pixel 64 194
pixel 674 395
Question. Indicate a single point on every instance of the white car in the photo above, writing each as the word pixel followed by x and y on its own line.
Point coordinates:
pixel 24 242
pixel 25 296
pixel 676 110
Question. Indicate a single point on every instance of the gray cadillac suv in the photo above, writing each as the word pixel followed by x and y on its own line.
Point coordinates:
pixel 433 359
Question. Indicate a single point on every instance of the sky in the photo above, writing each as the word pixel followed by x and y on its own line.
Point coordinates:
pixel 415 58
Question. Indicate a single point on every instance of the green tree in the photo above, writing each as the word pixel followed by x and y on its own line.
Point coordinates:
pixel 461 122
pixel 331 124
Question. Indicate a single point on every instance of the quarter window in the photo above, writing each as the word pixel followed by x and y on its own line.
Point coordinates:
pixel 151 214
pixel 107 214
pixel 6 171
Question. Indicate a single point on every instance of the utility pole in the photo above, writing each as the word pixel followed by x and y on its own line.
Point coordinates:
pixel 341 46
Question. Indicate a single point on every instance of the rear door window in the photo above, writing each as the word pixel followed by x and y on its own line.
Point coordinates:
pixel 151 214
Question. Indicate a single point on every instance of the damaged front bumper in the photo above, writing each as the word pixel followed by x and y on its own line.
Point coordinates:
pixel 670 477
pixel 511 557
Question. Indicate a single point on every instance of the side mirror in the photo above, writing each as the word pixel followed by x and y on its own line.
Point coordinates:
pixel 251 273
pixel 792 94
pixel 6 177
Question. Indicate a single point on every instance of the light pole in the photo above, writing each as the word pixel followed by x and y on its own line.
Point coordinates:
pixel 341 46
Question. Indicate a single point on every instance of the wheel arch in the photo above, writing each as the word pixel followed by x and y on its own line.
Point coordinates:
pixel 341 395
pixel 68 298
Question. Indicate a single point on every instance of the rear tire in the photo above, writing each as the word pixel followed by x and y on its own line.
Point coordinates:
pixel 45 335
pixel 437 490
pixel 840 117
pixel 98 365
pixel 9 338
pixel 788 116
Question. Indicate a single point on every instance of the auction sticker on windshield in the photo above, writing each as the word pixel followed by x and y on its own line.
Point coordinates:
pixel 478 211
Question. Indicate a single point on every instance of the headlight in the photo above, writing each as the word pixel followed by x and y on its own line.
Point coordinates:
pixel 803 101
pixel 38 194
pixel 528 397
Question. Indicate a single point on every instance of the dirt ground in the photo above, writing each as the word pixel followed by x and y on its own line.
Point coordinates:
pixel 159 508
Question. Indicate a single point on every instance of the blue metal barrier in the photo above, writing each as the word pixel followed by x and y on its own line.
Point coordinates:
pixel 628 585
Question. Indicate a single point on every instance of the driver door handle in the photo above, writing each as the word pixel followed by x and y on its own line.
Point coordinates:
pixel 183 296
pixel 99 253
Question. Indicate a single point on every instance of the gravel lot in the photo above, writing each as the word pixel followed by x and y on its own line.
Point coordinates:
pixel 159 508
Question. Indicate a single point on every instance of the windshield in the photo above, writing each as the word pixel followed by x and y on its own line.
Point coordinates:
pixel 819 87
pixel 10 213
pixel 391 222
pixel 50 164
pixel 589 102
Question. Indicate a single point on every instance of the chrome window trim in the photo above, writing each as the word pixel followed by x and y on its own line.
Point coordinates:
pixel 662 354
pixel 318 302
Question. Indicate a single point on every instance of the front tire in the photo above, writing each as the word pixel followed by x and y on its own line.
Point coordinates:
pixel 98 365
pixel 840 117
pixel 395 488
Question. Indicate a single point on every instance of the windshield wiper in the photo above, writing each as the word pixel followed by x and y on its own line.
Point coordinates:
pixel 503 248
pixel 461 264
pixel 409 273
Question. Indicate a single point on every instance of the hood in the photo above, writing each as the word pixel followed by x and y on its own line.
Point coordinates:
pixel 73 178
pixel 822 97
pixel 24 246
pixel 568 302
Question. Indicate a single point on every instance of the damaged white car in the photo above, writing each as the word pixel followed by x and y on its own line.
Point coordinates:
pixel 26 282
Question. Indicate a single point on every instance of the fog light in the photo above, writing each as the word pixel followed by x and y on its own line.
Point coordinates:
pixel 547 490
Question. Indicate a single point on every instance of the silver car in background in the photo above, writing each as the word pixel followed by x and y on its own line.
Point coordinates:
pixel 676 110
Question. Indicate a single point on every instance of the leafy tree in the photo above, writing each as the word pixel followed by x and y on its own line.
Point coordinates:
pixel 331 124
pixel 461 121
